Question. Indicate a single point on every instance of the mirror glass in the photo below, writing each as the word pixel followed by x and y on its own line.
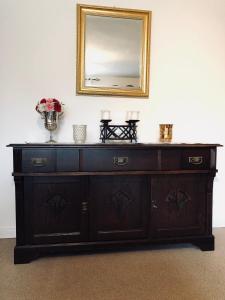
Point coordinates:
pixel 113 51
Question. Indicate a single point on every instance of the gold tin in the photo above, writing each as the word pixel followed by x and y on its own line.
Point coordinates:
pixel 166 133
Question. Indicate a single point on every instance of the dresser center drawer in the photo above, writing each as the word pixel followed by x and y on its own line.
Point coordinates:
pixel 118 160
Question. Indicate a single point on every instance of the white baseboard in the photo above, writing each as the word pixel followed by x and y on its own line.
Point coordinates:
pixel 10 232
pixel 7 232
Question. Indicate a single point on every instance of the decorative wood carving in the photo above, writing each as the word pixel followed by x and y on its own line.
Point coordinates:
pixel 120 200
pixel 57 203
pixel 177 199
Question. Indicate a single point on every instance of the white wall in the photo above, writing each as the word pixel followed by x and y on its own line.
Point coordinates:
pixel 38 58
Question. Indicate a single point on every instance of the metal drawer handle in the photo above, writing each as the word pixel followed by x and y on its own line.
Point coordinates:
pixel 120 161
pixel 154 204
pixel 195 160
pixel 84 207
pixel 39 161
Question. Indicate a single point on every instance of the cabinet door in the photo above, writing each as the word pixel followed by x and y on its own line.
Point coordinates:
pixel 119 207
pixel 178 205
pixel 56 209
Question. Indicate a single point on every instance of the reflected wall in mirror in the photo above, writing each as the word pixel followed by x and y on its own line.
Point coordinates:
pixel 113 51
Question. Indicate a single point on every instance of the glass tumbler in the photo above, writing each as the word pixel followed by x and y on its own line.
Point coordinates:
pixel 79 133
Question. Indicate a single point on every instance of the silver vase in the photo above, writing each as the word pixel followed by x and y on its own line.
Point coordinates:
pixel 51 123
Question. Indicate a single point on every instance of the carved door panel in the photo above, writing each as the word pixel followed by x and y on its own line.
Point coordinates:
pixel 178 205
pixel 119 207
pixel 56 209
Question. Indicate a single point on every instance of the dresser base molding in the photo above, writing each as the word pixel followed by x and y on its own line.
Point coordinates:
pixel 73 199
pixel 25 254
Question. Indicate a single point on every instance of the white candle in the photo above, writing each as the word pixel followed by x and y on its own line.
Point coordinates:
pixel 105 115
pixel 128 115
pixel 135 115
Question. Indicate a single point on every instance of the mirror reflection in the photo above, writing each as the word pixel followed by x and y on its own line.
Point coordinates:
pixel 113 52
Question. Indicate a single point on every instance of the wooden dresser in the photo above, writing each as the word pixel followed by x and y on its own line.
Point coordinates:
pixel 77 198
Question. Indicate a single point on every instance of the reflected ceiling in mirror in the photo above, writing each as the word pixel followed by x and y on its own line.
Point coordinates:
pixel 113 51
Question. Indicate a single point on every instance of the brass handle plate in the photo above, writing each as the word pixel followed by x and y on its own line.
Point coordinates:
pixel 120 160
pixel 39 161
pixel 154 204
pixel 84 207
pixel 195 160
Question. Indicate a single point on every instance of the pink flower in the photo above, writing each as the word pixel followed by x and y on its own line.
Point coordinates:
pixel 49 106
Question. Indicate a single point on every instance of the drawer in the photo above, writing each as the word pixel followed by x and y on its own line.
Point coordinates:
pixel 171 159
pixel 67 160
pixel 38 160
pixel 118 160
pixel 195 159
pixel 50 160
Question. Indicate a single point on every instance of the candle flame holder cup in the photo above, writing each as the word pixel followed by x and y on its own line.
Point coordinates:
pixel 166 133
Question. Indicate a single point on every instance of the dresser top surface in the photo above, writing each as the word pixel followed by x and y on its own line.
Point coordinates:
pixel 115 145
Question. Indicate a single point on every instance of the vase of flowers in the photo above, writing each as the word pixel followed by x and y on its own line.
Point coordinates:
pixel 50 109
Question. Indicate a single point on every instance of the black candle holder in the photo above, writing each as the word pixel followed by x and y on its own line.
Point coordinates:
pixel 118 132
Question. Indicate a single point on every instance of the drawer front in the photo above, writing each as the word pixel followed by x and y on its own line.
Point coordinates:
pixel 67 160
pixel 195 159
pixel 118 160
pixel 50 160
pixel 38 160
pixel 170 159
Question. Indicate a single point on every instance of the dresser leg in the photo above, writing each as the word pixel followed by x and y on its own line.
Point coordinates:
pixel 205 244
pixel 24 255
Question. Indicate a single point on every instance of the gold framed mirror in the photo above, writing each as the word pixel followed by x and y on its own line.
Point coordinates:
pixel 113 51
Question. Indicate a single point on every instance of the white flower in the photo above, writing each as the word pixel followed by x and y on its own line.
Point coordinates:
pixel 41 107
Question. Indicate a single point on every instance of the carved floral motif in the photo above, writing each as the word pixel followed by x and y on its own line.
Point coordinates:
pixel 120 200
pixel 178 199
pixel 57 203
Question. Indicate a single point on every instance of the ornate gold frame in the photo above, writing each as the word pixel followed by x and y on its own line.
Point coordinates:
pixel 82 11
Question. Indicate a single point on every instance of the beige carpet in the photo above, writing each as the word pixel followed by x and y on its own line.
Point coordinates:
pixel 164 273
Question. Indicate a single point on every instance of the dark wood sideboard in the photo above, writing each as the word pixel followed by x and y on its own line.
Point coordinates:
pixel 76 198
